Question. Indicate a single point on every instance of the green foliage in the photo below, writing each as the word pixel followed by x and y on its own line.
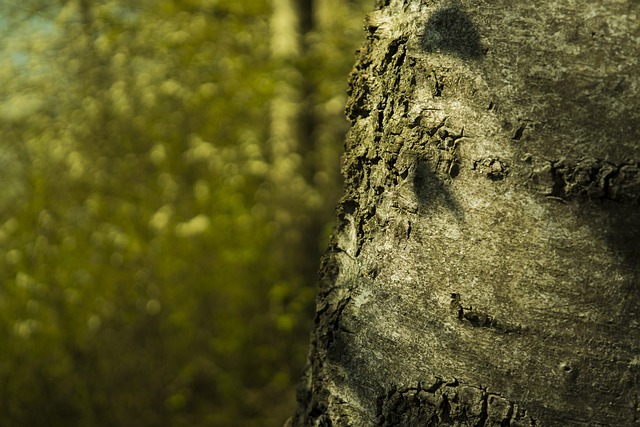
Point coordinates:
pixel 147 266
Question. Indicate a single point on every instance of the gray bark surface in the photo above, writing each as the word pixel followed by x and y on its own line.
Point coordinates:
pixel 485 265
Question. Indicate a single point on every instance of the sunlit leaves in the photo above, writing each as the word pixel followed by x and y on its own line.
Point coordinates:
pixel 143 212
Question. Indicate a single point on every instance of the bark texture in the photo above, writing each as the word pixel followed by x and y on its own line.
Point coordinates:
pixel 484 269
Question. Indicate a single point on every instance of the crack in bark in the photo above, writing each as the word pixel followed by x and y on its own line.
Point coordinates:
pixel 518 133
pixel 479 319
pixel 593 179
pixel 447 403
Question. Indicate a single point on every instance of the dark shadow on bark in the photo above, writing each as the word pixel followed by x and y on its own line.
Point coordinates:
pixel 431 190
pixel 622 234
pixel 450 30
pixel 609 200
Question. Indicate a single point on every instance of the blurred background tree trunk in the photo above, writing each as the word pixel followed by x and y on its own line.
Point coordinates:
pixel 292 137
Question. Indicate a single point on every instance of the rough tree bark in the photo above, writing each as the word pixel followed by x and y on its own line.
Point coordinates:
pixel 484 269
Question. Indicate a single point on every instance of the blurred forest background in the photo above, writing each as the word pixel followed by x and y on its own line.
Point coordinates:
pixel 169 170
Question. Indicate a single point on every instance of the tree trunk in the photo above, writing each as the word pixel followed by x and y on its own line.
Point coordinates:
pixel 291 136
pixel 484 268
